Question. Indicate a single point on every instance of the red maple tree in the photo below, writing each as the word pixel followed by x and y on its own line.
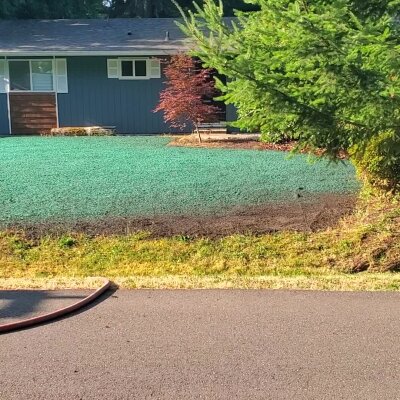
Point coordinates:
pixel 188 87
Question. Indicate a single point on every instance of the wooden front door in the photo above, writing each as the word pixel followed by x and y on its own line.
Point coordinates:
pixel 32 113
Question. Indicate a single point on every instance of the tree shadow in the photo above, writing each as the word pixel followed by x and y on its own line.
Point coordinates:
pixel 23 304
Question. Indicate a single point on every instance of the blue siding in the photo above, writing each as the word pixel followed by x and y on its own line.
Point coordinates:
pixel 231 116
pixel 94 99
pixel 4 127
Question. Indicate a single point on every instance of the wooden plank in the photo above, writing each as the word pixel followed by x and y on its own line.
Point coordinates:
pixel 47 107
pixel 32 113
pixel 33 126
pixel 35 123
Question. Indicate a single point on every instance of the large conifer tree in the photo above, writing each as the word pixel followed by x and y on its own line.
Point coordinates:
pixel 325 71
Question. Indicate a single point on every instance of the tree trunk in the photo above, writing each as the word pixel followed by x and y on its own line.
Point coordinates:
pixel 196 127
pixel 148 9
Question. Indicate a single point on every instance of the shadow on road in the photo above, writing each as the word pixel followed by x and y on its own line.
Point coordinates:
pixel 23 304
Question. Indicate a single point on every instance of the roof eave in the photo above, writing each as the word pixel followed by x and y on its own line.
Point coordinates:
pixel 71 53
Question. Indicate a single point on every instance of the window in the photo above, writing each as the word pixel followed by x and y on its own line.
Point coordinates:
pixel 134 69
pixel 31 75
pixel 127 68
pixel 20 75
pixel 42 76
pixel 140 68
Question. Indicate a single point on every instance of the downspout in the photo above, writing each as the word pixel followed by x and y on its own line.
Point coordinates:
pixel 7 71
pixel 55 89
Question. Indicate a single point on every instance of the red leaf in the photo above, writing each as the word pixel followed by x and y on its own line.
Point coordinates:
pixel 187 86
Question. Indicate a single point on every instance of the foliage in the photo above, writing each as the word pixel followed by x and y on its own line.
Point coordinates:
pixel 326 71
pixel 379 162
pixel 50 9
pixel 188 86
pixel 162 8
pixel 278 137
pixel 98 8
pixel 142 8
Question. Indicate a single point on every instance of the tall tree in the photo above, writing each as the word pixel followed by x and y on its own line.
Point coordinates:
pixel 326 71
pixel 50 9
pixel 164 8
pixel 101 8
pixel 142 8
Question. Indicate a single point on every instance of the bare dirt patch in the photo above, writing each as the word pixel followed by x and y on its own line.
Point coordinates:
pixel 302 215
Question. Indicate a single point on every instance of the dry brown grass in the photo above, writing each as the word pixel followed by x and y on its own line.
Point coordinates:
pixel 361 253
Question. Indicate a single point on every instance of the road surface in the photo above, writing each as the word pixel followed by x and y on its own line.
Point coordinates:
pixel 208 344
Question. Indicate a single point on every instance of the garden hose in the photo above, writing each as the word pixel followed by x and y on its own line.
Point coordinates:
pixel 12 326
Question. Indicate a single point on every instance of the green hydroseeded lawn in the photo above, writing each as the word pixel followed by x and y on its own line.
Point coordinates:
pixel 45 178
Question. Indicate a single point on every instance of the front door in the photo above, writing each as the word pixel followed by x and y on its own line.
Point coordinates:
pixel 32 113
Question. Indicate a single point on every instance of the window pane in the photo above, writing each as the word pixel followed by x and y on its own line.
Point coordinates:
pixel 140 68
pixel 126 68
pixel 42 76
pixel 42 67
pixel 20 76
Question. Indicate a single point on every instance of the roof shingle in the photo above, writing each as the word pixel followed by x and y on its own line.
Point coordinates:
pixel 92 36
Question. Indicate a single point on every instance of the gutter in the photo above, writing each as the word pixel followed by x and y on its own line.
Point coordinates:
pixel 89 53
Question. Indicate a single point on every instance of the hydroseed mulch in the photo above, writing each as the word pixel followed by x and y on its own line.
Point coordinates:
pixel 63 180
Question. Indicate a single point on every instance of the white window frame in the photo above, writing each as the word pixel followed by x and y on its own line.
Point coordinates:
pixel 30 75
pixel 134 78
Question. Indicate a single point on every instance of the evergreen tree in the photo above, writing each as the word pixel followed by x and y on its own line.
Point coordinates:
pixel 14 9
pixel 324 71
pixel 50 9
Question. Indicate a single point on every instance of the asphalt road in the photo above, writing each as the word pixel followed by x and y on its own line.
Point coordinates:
pixel 211 344
pixel 16 305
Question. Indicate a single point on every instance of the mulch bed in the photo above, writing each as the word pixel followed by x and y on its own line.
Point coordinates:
pixel 305 216
pixel 241 142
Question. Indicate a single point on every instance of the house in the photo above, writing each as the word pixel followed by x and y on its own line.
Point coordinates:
pixel 58 73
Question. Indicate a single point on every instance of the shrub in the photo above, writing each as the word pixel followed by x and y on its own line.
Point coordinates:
pixel 278 137
pixel 188 86
pixel 378 162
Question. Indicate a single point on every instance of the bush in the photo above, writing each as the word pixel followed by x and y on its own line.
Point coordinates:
pixel 81 131
pixel 278 137
pixel 378 162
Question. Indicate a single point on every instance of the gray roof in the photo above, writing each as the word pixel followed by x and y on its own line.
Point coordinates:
pixel 93 36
